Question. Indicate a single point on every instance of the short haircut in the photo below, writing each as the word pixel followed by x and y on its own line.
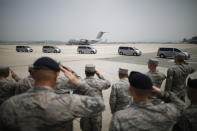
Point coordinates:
pixel 89 73
pixel 43 74
pixel 142 92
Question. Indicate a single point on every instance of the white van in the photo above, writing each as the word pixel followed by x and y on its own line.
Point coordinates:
pixel 86 50
pixel 164 52
pixel 124 50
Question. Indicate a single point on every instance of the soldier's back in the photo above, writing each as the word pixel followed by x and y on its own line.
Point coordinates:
pixel 178 73
pixel 42 109
pixel 145 116
pixel 156 77
pixel 98 84
pixel 188 120
pixel 120 97
pixel 6 89
pixel 24 85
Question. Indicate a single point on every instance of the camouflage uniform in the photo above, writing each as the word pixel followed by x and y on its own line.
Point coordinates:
pixel 120 97
pixel 147 117
pixel 157 79
pixel 176 79
pixel 7 88
pixel 24 85
pixel 42 109
pixel 188 120
pixel 95 123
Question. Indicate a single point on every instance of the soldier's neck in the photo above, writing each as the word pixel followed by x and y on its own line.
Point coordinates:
pixel 44 83
pixel 137 99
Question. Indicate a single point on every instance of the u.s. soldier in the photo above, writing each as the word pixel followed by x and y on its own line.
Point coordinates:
pixel 7 87
pixel 41 108
pixel 143 115
pixel 120 96
pixel 154 74
pixel 177 75
pixel 94 123
pixel 26 83
pixel 156 77
pixel 188 119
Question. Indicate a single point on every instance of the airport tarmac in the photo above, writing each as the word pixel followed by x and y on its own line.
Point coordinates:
pixel 107 62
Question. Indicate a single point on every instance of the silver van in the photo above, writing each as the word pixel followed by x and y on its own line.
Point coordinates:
pixel 164 52
pixel 86 50
pixel 124 50
pixel 24 49
pixel 51 49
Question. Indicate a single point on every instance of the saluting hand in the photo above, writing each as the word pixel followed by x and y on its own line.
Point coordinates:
pixel 97 73
pixel 68 74
pixel 13 74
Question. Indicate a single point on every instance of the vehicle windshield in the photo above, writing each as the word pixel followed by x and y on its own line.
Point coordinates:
pixel 134 48
pixel 178 50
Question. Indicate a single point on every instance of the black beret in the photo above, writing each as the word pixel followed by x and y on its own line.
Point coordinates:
pixel 140 81
pixel 192 83
pixel 46 63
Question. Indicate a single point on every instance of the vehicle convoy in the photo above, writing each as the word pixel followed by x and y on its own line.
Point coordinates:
pixel 24 49
pixel 51 49
pixel 86 50
pixel 125 50
pixel 165 52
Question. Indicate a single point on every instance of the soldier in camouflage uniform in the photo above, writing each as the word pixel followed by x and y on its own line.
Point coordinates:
pixel 177 75
pixel 120 96
pixel 94 123
pixel 42 109
pixel 7 87
pixel 156 78
pixel 143 115
pixel 26 83
pixel 188 120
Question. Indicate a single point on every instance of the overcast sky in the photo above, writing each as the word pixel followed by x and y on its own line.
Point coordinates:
pixel 125 20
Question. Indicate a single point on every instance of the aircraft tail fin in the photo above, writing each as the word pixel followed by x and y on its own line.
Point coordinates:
pixel 100 34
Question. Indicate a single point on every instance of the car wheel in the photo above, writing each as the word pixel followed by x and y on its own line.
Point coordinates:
pixel 55 51
pixel 120 53
pixel 134 54
pixel 91 52
pixel 162 56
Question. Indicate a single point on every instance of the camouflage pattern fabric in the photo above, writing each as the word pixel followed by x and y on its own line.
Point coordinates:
pixel 7 88
pixel 188 120
pixel 176 79
pixel 120 97
pixel 42 109
pixel 156 77
pixel 95 123
pixel 144 116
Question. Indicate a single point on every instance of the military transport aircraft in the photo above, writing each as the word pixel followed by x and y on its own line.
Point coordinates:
pixel 86 41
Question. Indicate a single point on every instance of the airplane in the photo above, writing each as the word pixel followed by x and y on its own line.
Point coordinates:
pixel 86 41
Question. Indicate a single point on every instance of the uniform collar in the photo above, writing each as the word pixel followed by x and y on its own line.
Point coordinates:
pixel 151 71
pixel 124 79
pixel 43 88
pixel 89 77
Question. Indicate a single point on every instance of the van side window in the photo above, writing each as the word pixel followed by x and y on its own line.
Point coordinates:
pixel 177 50
pixel 130 48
